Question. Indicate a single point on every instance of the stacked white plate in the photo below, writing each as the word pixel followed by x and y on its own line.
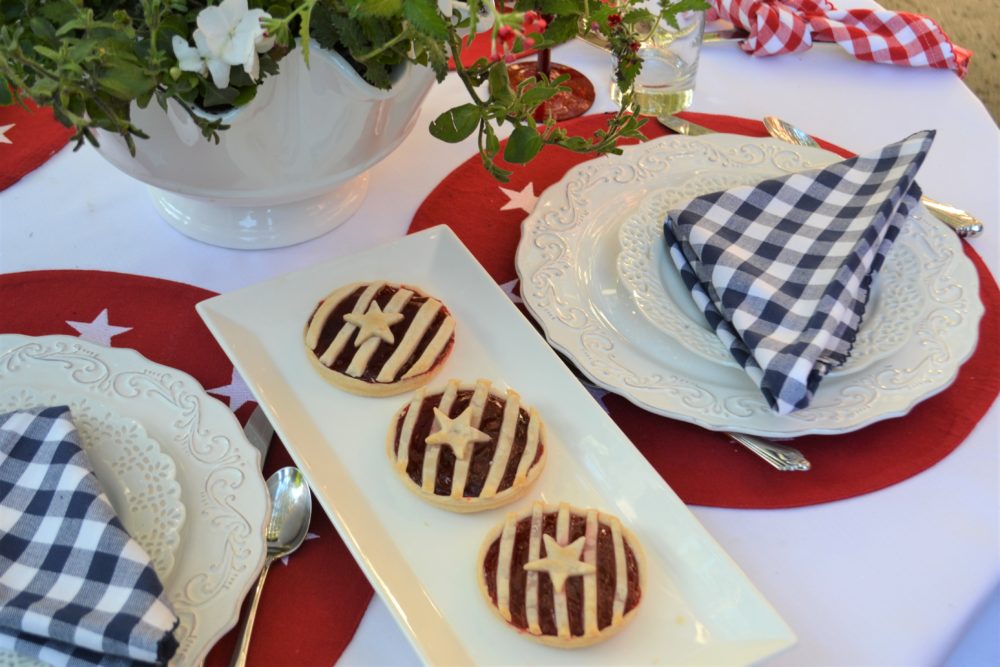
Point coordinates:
pixel 594 272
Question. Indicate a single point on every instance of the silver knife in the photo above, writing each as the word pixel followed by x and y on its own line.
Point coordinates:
pixel 685 127
pixel 259 432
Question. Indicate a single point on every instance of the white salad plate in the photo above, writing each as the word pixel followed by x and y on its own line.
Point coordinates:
pixel 698 608
pixel 595 274
pixel 164 450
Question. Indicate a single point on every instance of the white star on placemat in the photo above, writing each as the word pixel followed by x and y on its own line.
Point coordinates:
pixel 98 331
pixel 508 289
pixel 524 200
pixel 309 536
pixel 4 139
pixel 236 391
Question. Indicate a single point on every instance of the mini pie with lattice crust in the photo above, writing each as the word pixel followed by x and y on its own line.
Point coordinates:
pixel 467 447
pixel 561 575
pixel 379 338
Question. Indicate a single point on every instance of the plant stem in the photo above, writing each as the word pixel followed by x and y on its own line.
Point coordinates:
pixel 388 45
pixel 463 74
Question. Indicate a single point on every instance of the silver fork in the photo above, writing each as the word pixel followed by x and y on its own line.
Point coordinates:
pixel 783 457
pixel 963 223
pixel 259 432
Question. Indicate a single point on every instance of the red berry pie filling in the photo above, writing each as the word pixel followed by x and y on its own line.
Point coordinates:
pixel 467 448
pixel 564 576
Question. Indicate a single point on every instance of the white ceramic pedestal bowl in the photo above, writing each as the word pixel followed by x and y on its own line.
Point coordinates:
pixel 291 166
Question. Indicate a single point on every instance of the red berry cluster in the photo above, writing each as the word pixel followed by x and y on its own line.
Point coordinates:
pixel 507 36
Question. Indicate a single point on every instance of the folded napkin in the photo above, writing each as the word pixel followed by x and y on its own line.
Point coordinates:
pixel 895 38
pixel 782 269
pixel 75 589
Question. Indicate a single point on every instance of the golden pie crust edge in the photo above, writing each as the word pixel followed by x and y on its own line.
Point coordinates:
pixel 549 640
pixel 363 387
pixel 466 505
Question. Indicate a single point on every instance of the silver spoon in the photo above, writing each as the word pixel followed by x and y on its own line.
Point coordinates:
pixel 961 222
pixel 291 510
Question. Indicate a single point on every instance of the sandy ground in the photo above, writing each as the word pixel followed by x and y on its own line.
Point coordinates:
pixel 969 23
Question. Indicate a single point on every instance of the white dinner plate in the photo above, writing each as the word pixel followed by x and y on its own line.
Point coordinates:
pixel 595 275
pixel 698 607
pixel 221 542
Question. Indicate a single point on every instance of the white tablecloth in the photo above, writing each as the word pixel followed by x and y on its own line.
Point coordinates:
pixel 895 577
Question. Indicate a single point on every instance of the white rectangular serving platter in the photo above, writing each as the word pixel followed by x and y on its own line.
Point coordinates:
pixel 698 607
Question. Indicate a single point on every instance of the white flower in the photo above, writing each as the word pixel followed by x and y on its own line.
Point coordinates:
pixel 188 59
pixel 228 34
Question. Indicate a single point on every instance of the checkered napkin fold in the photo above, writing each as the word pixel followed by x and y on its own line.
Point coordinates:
pixel 75 589
pixel 882 36
pixel 782 269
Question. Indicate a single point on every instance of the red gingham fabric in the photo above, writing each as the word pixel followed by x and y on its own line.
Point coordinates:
pixel 790 26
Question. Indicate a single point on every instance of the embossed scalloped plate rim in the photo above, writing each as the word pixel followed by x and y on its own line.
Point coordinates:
pixel 699 608
pixel 570 298
pixel 213 527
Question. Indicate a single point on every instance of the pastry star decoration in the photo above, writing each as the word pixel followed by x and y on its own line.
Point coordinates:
pixel 4 139
pixel 457 433
pixel 373 323
pixel 561 562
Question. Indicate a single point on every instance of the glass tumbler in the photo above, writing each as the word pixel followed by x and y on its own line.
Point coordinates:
pixel 669 65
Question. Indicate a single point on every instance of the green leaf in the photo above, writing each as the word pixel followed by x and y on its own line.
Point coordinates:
pixel 500 89
pixel 537 94
pixel 245 96
pixel 213 97
pixel 670 12
pixel 523 144
pixel 125 80
pixel 639 15
pixel 43 29
pixel 492 142
pixel 456 124
pixel 43 88
pixel 279 10
pixel 561 7
pixel 562 29
pixel 46 52
pixel 380 8
pixel 423 15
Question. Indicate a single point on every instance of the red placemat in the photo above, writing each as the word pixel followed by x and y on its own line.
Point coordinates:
pixel 703 467
pixel 482 47
pixel 320 582
pixel 28 137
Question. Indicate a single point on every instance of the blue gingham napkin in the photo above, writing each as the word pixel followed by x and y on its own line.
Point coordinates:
pixel 75 589
pixel 783 269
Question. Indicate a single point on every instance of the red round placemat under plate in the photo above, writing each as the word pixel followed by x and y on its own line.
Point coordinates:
pixel 702 466
pixel 311 607
pixel 28 137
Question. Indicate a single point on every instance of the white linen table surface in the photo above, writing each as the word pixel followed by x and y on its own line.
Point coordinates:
pixel 895 577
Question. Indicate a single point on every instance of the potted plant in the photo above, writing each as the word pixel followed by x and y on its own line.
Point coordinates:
pixel 188 74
